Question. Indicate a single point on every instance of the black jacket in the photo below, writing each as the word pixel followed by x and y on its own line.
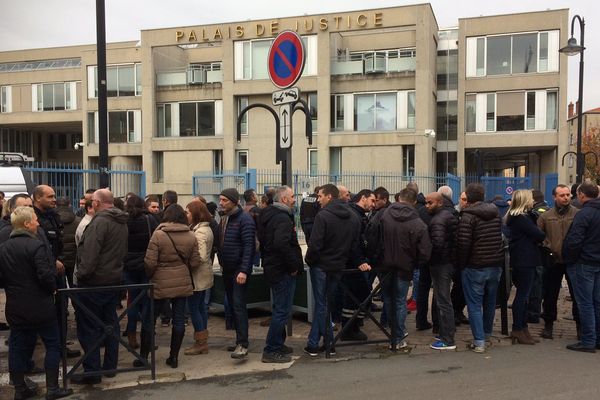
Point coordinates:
pixel 406 243
pixel 525 239
pixel 279 248
pixel 53 228
pixel 70 222
pixel 360 252
pixel 334 236
pixel 374 238
pixel 479 237
pixel 582 243
pixel 308 211
pixel 442 232
pixel 29 277
pixel 5 229
pixel 140 229
pixel 237 246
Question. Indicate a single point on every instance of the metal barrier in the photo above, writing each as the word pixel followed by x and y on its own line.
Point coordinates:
pixel 108 330
pixel 363 307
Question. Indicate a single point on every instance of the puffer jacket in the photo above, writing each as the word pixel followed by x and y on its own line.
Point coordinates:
pixel 172 276
pixel 406 243
pixel 582 243
pixel 237 246
pixel 29 277
pixel 442 232
pixel 203 276
pixel 479 237
pixel 140 230
pixel 70 222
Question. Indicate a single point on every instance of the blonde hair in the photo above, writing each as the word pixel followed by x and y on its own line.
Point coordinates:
pixel 522 201
pixel 21 215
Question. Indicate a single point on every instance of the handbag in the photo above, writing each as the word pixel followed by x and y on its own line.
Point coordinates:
pixel 182 259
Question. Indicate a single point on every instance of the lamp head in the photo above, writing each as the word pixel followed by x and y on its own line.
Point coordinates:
pixel 572 48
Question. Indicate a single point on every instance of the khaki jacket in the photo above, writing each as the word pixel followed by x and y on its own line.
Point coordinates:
pixel 203 276
pixel 169 274
pixel 556 227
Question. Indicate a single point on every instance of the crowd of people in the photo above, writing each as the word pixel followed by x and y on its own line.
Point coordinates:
pixel 358 239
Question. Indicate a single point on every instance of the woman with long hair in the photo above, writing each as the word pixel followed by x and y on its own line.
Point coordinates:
pixel 199 219
pixel 140 226
pixel 524 240
pixel 171 259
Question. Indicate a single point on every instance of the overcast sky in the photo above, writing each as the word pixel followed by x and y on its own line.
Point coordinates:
pixel 28 24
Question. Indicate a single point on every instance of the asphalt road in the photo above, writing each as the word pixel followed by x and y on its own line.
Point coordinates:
pixel 543 371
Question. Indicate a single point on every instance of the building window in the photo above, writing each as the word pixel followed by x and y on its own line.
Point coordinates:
pixel 313 108
pixel 408 160
pixel 241 160
pixel 446 120
pixel 375 112
pixel 91 125
pixel 530 104
pixel 446 162
pixel 335 160
pixel 447 69
pixel 54 96
pixel 243 103
pixel 411 102
pixel 5 99
pixel 118 127
pixel 159 166
pixel 164 120
pixel 510 111
pixel 337 112
pixel 552 110
pixel 16 141
pixel 197 119
pixel 217 162
pixel 490 116
pixel 312 162
pixel 123 126
pixel 513 54
pixel 121 80
pixel 470 111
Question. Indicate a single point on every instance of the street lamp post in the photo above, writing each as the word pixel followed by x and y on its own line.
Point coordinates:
pixel 571 49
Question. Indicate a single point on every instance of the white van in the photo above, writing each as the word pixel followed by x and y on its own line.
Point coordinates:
pixel 13 179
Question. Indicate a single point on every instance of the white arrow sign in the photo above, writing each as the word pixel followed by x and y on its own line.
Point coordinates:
pixel 285 123
pixel 285 96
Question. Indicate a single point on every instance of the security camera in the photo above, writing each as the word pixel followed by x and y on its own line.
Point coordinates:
pixel 78 145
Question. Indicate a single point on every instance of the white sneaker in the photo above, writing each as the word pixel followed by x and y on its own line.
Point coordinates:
pixel 239 352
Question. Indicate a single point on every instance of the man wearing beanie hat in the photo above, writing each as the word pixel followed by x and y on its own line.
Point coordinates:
pixel 236 251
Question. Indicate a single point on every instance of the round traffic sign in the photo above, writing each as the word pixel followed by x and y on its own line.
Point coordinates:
pixel 509 190
pixel 286 59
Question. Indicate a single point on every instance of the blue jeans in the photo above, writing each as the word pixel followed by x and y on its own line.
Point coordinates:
pixel 21 344
pixel 318 282
pixel 415 285
pixel 177 309
pixel 480 286
pixel 523 279
pixel 237 299
pixel 134 313
pixel 586 285
pixel 281 306
pixel 198 310
pixel 104 306
pixel 400 301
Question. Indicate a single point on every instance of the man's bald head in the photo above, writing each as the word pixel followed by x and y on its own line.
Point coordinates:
pixel 344 193
pixel 102 199
pixel 44 197
pixel 433 202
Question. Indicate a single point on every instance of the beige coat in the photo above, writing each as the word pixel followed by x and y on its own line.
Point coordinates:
pixel 169 274
pixel 203 276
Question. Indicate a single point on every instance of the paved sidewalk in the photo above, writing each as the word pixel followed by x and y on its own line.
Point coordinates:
pixel 219 363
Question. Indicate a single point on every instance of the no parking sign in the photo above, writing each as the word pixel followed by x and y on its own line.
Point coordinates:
pixel 286 59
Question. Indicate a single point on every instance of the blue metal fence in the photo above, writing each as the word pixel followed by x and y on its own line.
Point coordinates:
pixel 72 180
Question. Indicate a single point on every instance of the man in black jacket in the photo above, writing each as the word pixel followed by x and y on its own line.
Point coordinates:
pixel 308 211
pixel 70 222
pixel 28 274
pixel 581 252
pixel 481 257
pixel 282 261
pixel 442 229
pixel 334 234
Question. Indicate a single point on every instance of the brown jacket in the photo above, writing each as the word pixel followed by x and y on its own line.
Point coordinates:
pixel 203 276
pixel 169 274
pixel 556 227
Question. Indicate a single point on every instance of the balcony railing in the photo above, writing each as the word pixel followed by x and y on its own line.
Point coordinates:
pixel 195 74
pixel 372 62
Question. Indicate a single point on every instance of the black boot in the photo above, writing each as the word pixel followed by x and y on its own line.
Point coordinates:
pixel 546 333
pixel 176 340
pixel 21 389
pixel 53 391
pixel 144 348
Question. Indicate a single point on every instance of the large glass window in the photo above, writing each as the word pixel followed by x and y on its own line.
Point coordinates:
pixel 447 70
pixel 524 53
pixel 375 112
pixel 206 119
pixel 187 119
pixel 51 96
pixel 121 80
pixel 446 162
pixel 446 120
pixel 510 112
pixel 498 55
pixel 197 119
pixel 337 112
pixel 335 160
pixel 117 127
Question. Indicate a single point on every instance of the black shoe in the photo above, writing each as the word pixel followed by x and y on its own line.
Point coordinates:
pixel 546 333
pixel 285 349
pixel 86 380
pixel 73 353
pixel 425 327
pixel 312 351
pixel 138 363
pixel 110 375
pixel 53 391
pixel 353 336
pixel 278 358
pixel 172 361
pixel 579 347
pixel 331 350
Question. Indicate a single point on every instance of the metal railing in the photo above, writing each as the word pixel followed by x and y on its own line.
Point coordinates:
pixel 107 330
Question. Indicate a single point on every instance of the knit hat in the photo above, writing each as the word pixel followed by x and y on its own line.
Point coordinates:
pixel 232 194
